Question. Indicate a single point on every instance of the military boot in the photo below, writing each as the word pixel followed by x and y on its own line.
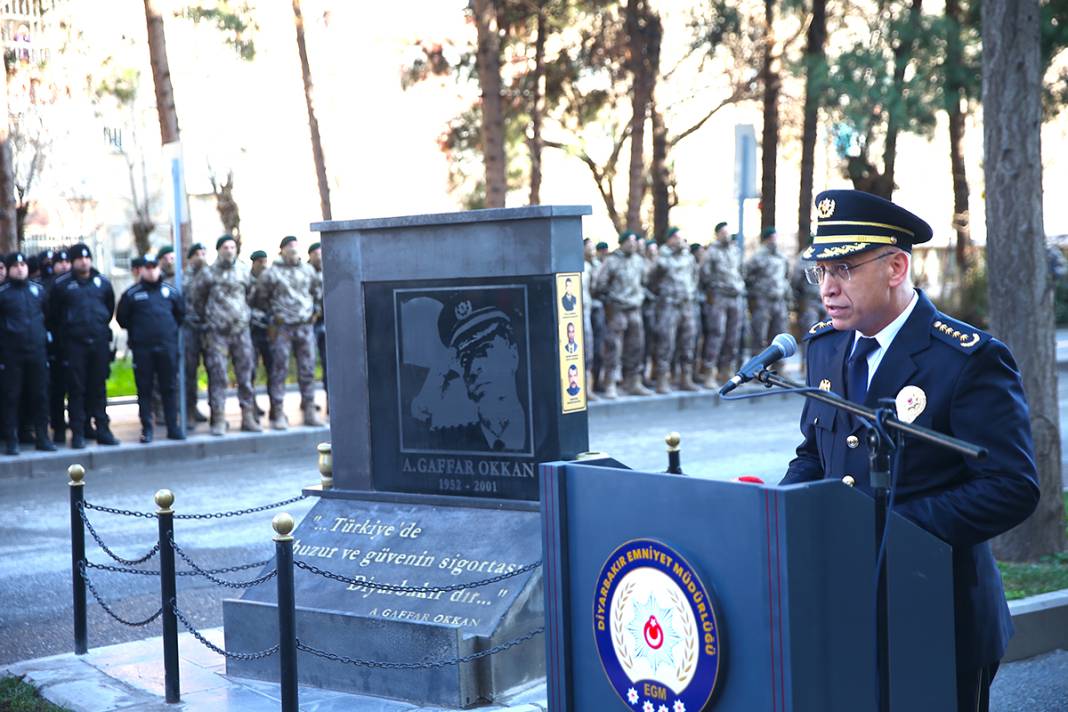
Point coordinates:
pixel 590 395
pixel 278 420
pixel 686 380
pixel 249 421
pixel 77 440
pixel 710 378
pixel 610 392
pixel 311 417
pixel 218 424
pixel 663 383
pixel 632 386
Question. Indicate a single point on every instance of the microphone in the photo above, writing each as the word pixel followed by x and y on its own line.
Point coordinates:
pixel 782 346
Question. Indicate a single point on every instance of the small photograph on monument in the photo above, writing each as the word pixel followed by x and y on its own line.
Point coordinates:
pixel 568 300
pixel 464 370
pixel 571 346
pixel 573 387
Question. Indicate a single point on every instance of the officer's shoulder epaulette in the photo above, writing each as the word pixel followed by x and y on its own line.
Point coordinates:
pixel 819 329
pixel 962 335
pixel 135 287
pixel 65 277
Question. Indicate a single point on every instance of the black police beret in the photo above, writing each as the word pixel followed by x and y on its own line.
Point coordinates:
pixel 80 250
pixel 258 255
pixel 46 255
pixel 285 241
pixel 163 251
pixel 849 222
pixel 62 255
pixel 468 321
pixel 313 247
pixel 137 262
pixel 222 239
pixel 15 257
pixel 193 249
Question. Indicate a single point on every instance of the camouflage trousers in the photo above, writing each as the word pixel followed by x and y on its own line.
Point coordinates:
pixel 193 343
pixel 300 339
pixel 676 334
pixel 239 346
pixel 624 342
pixel 808 315
pixel 767 319
pixel 723 317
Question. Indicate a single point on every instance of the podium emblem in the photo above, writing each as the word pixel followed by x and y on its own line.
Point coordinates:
pixel 656 629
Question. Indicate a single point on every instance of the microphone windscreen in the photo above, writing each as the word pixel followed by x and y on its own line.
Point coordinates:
pixel 787 343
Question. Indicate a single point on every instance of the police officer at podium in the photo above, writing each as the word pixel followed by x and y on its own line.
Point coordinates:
pixel 884 339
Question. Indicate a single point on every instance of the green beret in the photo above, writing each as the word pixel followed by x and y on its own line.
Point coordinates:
pixel 164 251
pixel 602 245
pixel 258 255
pixel 627 234
pixel 193 249
pixel 720 226
pixel 670 231
pixel 767 232
pixel 222 239
pixel 285 241
pixel 313 247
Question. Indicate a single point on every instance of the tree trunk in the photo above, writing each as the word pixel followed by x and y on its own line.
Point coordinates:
pixel 161 74
pixel 8 232
pixel 660 176
pixel 815 71
pixel 1020 288
pixel 769 149
pixel 643 40
pixel 488 62
pixel 537 107
pixel 313 123
pixel 902 57
pixel 961 215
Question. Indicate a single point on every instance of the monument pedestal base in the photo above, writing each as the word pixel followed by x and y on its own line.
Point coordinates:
pixel 431 551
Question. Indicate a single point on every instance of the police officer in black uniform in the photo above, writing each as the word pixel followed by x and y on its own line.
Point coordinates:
pixel 152 312
pixel 57 388
pixel 23 360
pixel 82 302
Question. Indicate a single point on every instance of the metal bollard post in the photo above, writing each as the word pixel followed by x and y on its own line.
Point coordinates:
pixel 77 557
pixel 287 610
pixel 168 594
pixel 326 465
pixel 674 456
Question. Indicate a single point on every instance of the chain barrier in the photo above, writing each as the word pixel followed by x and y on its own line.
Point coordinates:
pixel 432 664
pixel 214 648
pixel 228 584
pixel 107 609
pixel 154 572
pixel 394 588
pixel 109 552
pixel 209 515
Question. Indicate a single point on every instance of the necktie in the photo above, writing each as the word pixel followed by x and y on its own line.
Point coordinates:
pixel 857 369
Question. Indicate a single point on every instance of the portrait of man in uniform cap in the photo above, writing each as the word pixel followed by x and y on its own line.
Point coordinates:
pixel 464 375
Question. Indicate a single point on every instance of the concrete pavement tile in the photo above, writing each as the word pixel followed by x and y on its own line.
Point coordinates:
pixel 149 677
pixel 138 651
pixel 232 698
pixel 47 671
pixel 192 650
pixel 93 695
pixel 536 693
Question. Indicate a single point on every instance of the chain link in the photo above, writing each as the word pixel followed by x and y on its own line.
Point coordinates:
pixel 154 572
pixel 209 515
pixel 394 588
pixel 239 512
pixel 100 542
pixel 431 664
pixel 211 646
pixel 107 608
pixel 228 584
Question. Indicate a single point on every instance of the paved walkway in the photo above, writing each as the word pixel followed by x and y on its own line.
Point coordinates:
pixel 129 677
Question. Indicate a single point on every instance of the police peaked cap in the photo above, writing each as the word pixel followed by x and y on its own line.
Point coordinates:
pixel 285 241
pixel 258 255
pixel 14 258
pixel 137 262
pixel 193 249
pixel 314 246
pixel 468 321
pixel 849 222
pixel 164 251
pixel 224 238
pixel 80 250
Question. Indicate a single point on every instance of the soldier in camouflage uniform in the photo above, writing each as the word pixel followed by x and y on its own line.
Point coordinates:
pixel 258 324
pixel 807 301
pixel 674 281
pixel 193 335
pixel 767 281
pixel 315 259
pixel 650 250
pixel 221 301
pixel 288 291
pixel 587 316
pixel 619 284
pixel 721 282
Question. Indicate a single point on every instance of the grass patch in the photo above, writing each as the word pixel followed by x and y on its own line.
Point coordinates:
pixel 1050 573
pixel 16 695
pixel 121 379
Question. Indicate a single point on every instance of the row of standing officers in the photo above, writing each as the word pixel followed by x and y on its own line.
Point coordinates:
pixel 681 308
pixel 55 339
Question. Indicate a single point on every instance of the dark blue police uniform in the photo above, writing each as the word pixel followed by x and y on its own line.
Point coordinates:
pixel 972 390
pixel 152 312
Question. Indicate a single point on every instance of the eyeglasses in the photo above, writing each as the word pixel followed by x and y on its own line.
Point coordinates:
pixel 841 271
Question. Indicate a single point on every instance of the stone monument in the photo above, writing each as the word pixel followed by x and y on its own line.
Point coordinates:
pixel 454 344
